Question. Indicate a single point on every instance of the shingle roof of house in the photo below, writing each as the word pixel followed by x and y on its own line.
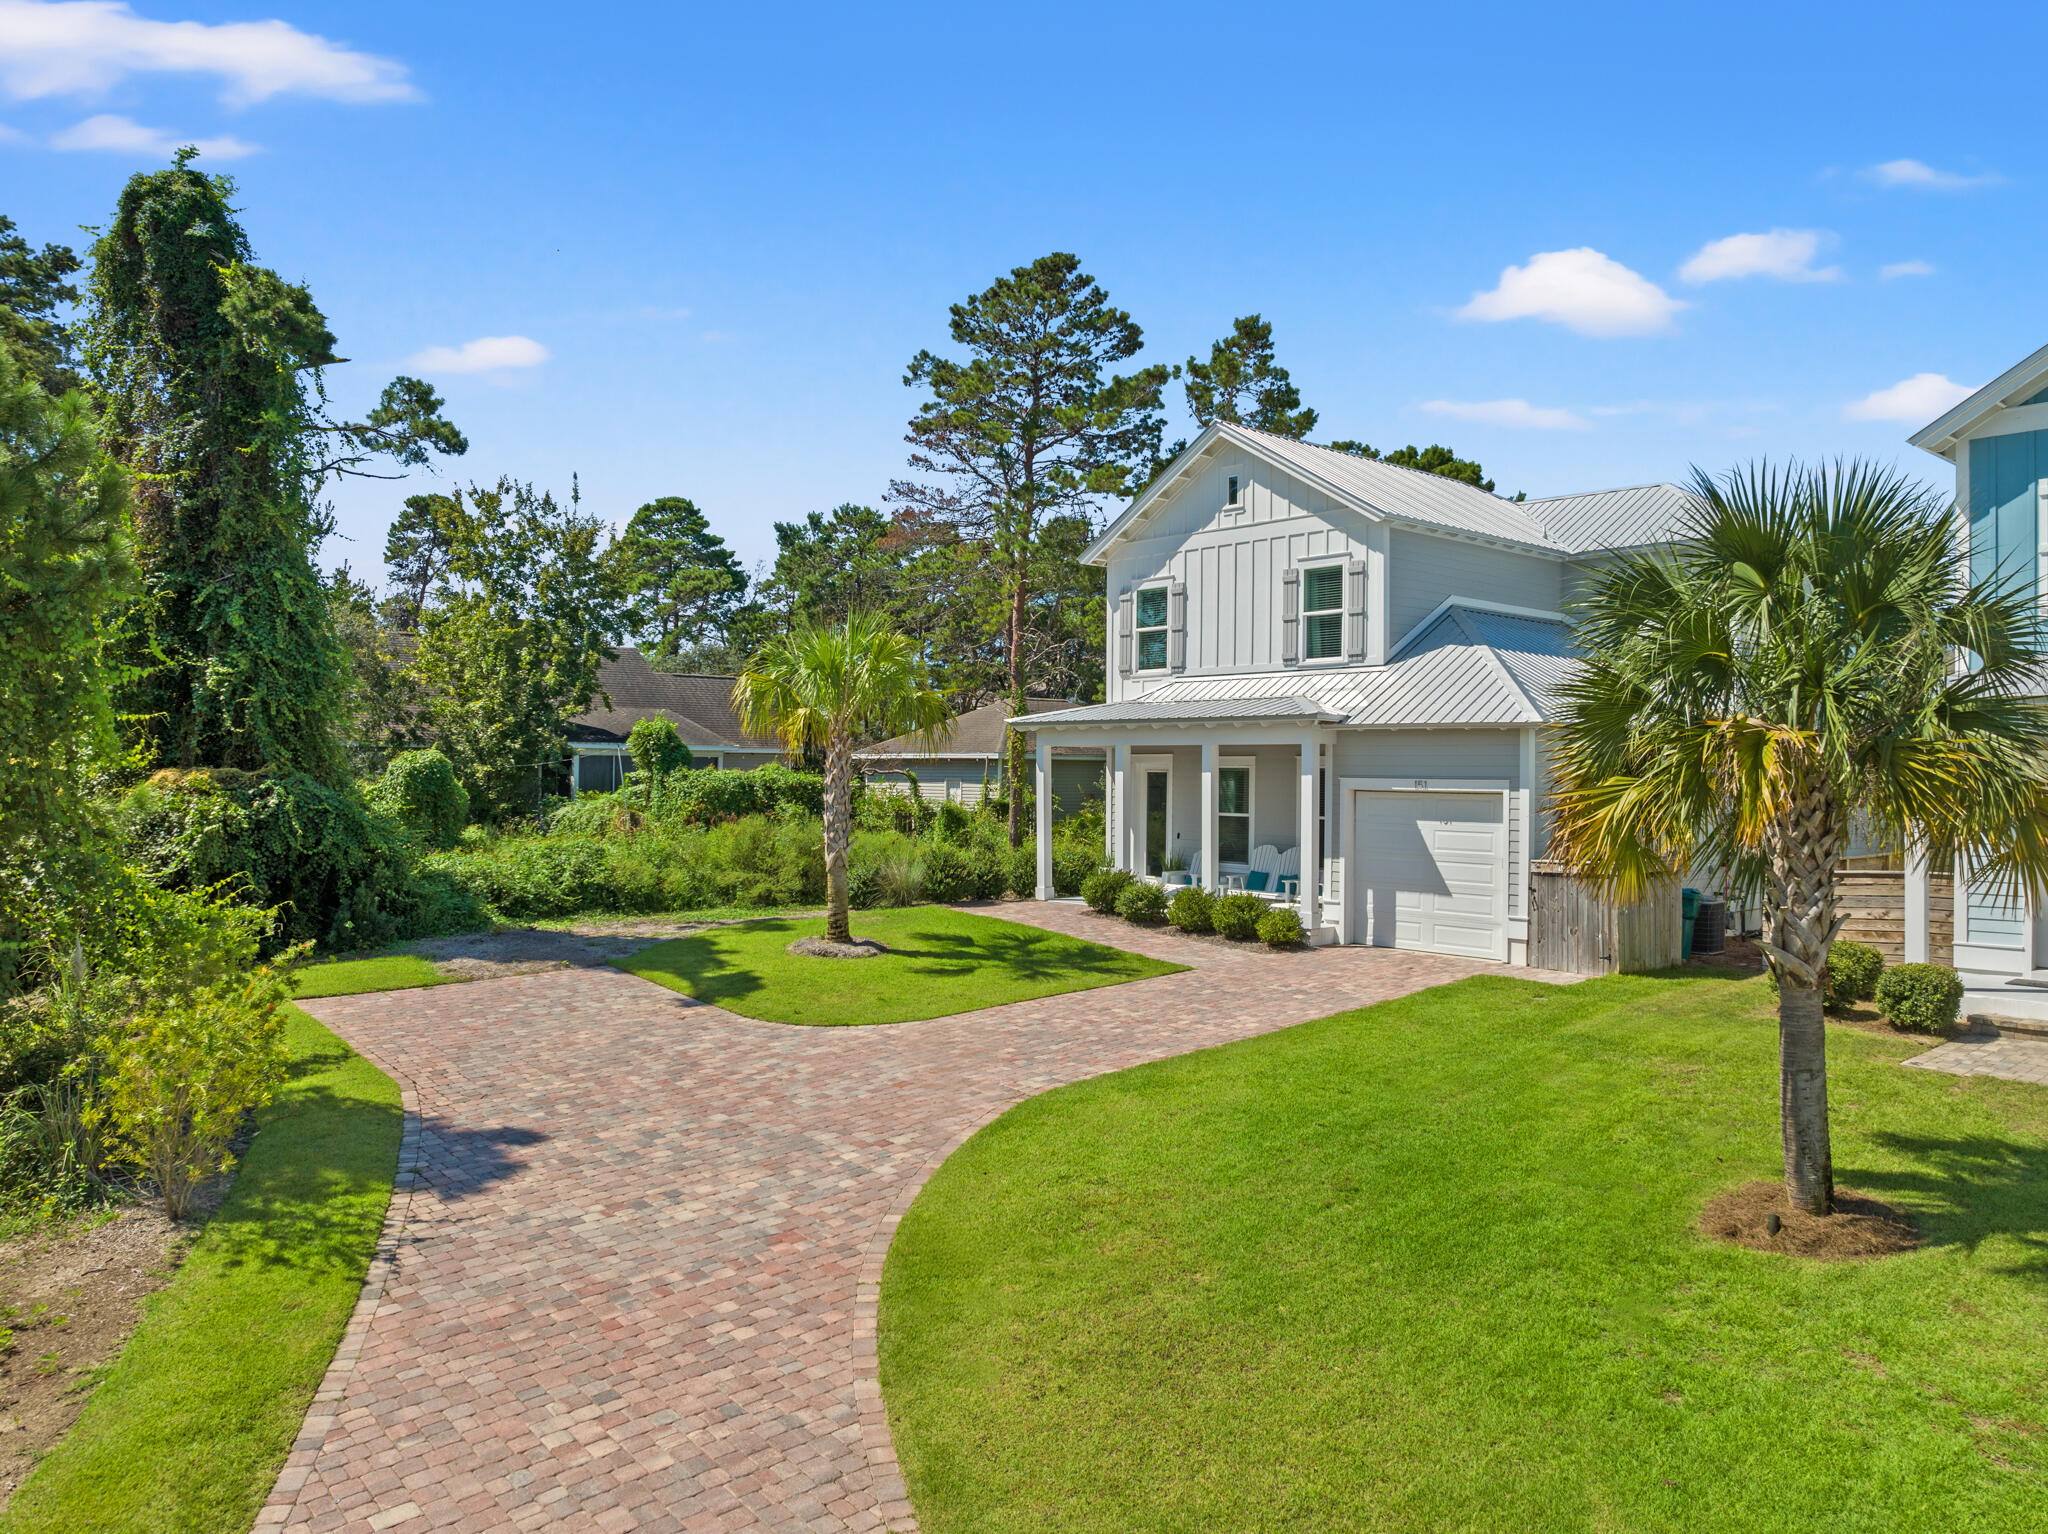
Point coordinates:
pixel 1563 525
pixel 976 733
pixel 700 707
pixel 1466 666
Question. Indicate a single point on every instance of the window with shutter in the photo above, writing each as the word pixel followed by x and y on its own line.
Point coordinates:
pixel 1290 617
pixel 1123 634
pixel 1177 632
pixel 1354 610
pixel 1322 612
pixel 1153 604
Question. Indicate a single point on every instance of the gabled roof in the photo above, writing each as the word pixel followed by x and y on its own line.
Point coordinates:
pixel 1561 526
pixel 1464 665
pixel 699 706
pixel 2017 385
pixel 978 732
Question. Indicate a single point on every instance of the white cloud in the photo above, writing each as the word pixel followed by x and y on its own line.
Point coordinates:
pixel 1906 269
pixel 718 337
pixel 1918 173
pixel 1509 412
pixel 83 47
pixel 1786 254
pixel 1914 400
pixel 12 135
pixel 123 135
pixel 486 354
pixel 1580 289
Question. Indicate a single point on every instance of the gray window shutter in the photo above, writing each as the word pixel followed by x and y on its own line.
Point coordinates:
pixel 1177 628
pixel 1126 606
pixel 1290 618
pixel 1354 609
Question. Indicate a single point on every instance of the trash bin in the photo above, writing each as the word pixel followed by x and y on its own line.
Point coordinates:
pixel 1710 927
pixel 1692 913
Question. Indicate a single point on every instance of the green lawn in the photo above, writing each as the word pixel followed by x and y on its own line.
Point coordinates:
pixel 1430 1266
pixel 190 1426
pixel 353 977
pixel 940 961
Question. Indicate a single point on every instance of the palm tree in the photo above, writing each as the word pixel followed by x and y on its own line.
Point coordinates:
pixel 825 686
pixel 1807 653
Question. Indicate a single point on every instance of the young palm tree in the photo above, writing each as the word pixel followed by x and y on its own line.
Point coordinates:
pixel 1807 652
pixel 824 686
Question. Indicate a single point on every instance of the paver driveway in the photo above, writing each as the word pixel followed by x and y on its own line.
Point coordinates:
pixel 642 1238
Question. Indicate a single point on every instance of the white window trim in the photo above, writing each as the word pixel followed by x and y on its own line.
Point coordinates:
pixel 1251 801
pixel 1342 566
pixel 1140 630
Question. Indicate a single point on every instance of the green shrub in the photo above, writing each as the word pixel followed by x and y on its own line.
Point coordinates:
pixel 419 790
pixel 1191 909
pixel 1852 973
pixel 951 822
pixel 656 748
pixel 1073 860
pixel 1281 927
pixel 946 875
pixel 1237 916
pixel 1141 902
pixel 1101 888
pixel 1021 868
pixel 1924 997
pixel 705 796
pixel 988 871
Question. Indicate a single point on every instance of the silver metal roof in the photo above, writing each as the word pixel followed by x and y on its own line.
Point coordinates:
pixel 1614 519
pixel 1563 525
pixel 1940 435
pixel 1470 666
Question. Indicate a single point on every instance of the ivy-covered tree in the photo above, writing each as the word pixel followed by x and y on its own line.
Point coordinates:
pixel 510 645
pixel 1242 384
pixel 1032 426
pixel 687 586
pixel 33 289
pixel 1434 459
pixel 210 372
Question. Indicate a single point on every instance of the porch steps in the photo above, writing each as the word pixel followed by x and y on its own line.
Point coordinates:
pixel 2004 1024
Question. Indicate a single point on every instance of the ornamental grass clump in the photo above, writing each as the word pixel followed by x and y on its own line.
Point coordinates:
pixel 1926 998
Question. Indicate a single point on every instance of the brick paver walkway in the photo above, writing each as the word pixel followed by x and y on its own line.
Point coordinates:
pixel 2014 1058
pixel 630 1275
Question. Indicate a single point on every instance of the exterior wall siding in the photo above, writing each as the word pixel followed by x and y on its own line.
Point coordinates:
pixel 2005 474
pixel 1429 754
pixel 1422 571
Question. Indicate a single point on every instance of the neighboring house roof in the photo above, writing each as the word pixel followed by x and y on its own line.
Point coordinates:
pixel 1464 665
pixel 2025 383
pixel 1562 526
pixel 700 707
pixel 977 733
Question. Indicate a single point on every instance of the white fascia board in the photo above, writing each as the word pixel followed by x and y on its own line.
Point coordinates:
pixel 1941 435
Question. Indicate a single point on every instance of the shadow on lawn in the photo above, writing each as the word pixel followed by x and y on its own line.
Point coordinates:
pixel 1022 958
pixel 1962 1191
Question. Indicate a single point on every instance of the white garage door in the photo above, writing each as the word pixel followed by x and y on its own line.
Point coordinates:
pixel 1432 873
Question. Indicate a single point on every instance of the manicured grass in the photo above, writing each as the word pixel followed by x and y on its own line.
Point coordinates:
pixel 189 1428
pixel 678 918
pixel 353 977
pixel 940 961
pixel 1431 1266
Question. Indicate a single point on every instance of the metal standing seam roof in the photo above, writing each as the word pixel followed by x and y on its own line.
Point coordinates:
pixel 1939 435
pixel 1470 666
pixel 1564 525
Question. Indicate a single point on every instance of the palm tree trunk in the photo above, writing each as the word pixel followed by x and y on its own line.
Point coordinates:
pixel 838 834
pixel 1806 850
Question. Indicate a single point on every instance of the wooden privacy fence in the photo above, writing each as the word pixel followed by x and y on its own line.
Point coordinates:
pixel 1575 927
pixel 1874 901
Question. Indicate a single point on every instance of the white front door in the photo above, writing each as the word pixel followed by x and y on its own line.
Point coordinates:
pixel 1432 872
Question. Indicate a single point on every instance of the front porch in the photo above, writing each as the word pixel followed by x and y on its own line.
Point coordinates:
pixel 1227 806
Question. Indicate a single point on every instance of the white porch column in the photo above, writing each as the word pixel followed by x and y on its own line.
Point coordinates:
pixel 1209 880
pixel 1311 847
pixel 1917 911
pixel 1126 786
pixel 1112 799
pixel 1044 816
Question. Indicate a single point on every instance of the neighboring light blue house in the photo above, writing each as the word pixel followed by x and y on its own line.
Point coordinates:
pixel 1998 441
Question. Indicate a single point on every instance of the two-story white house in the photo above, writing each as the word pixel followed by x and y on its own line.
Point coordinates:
pixel 1997 441
pixel 1351 662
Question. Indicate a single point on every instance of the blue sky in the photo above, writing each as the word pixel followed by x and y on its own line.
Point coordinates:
pixel 1589 245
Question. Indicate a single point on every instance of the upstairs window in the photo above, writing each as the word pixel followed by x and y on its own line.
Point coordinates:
pixel 1322 612
pixel 1232 501
pixel 1151 628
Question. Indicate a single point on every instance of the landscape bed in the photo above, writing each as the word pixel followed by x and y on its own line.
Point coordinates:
pixel 1433 1265
pixel 940 961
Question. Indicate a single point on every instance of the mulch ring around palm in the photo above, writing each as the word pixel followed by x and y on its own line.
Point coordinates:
pixel 1861 1226
pixel 826 948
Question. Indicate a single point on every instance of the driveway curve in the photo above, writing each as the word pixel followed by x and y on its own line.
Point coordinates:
pixel 629 1278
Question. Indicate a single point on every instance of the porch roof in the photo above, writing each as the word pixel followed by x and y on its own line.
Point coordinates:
pixel 1463 665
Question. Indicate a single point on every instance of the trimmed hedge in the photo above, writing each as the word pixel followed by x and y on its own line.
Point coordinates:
pixel 1924 997
pixel 1101 888
pixel 1852 973
pixel 1281 928
pixel 1237 916
pixel 1191 909
pixel 1142 903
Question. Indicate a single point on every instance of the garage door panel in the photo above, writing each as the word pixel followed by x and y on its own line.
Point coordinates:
pixel 1430 872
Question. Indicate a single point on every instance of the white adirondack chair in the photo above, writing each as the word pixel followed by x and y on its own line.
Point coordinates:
pixel 1290 868
pixel 1266 860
